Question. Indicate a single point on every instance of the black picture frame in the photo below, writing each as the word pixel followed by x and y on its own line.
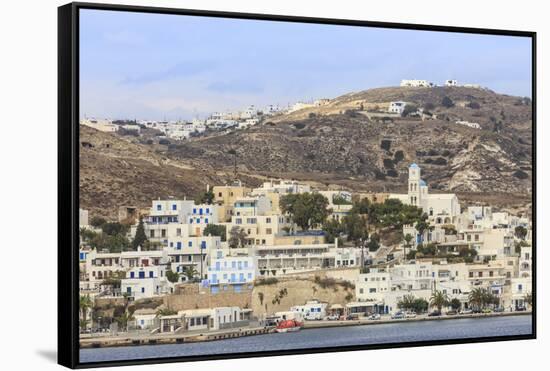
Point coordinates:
pixel 68 178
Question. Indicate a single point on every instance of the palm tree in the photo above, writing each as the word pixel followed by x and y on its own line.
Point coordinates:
pixel 477 298
pixel 85 304
pixel 83 323
pixel 439 299
pixel 123 320
pixel 190 273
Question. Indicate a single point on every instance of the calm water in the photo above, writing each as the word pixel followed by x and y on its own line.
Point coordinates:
pixel 317 338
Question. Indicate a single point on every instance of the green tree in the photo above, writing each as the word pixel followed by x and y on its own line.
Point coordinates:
pixel 97 221
pixel 114 228
pixel 140 237
pixel 206 197
pixel 216 230
pixel 165 312
pixel 420 305
pixel 520 232
pixel 172 276
pixel 407 239
pixel 190 273
pixel 455 304
pixel 237 237
pixel 361 206
pixel 407 302
pixel 439 300
pixel 355 227
pixel 333 229
pixel 123 320
pixel 306 209
pixel 476 298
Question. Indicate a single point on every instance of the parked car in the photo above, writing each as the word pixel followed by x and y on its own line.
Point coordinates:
pixel 521 309
pixel 499 310
pixel 466 311
pixel 435 313
pixel 333 317
pixel 452 312
pixel 487 310
pixel 398 315
pixel 353 316
pixel 374 317
pixel 410 314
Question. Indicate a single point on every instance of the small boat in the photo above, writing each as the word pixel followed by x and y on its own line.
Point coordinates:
pixel 289 325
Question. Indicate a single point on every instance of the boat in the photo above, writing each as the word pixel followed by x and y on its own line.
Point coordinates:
pixel 289 325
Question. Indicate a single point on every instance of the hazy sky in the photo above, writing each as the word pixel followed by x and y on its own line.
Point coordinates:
pixel 153 66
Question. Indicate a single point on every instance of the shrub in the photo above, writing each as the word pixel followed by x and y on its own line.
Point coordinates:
pixel 165 142
pixel 385 144
pixel 440 161
pixel 447 102
pixel 520 174
pixel 398 156
pixel 392 173
pixel 266 281
pixel 429 106
pixel 473 105
pixel 388 163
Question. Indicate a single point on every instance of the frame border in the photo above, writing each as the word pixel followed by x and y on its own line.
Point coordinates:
pixel 68 179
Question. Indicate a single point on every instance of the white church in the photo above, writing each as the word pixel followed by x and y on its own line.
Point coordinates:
pixel 443 206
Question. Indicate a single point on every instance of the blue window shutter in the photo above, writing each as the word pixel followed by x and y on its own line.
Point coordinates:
pixel 131 274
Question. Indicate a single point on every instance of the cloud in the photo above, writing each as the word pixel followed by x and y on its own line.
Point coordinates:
pixel 183 69
pixel 242 86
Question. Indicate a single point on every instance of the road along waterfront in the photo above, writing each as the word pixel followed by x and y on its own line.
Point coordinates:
pixel 382 333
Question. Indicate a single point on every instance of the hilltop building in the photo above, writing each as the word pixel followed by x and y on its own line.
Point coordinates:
pixel 417 83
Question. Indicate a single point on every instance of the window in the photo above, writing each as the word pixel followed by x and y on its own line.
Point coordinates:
pixel 238 221
pixel 178 232
pixel 471 274
pixel 490 273
pixel 159 207
pixel 268 231
pixel 219 194
pixel 206 220
pixel 178 245
pixel 207 210
pixel 190 244
pixel 132 274
pixel 174 207
pixel 268 220
pixel 152 234
pixel 151 274
pixel 372 290
pixel 143 290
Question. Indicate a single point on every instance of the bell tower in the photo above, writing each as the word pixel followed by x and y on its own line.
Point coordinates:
pixel 414 185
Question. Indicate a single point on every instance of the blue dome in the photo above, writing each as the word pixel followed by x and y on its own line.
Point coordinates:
pixel 413 165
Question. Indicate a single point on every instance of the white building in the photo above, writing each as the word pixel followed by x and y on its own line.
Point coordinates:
pixel 473 125
pixel 444 206
pixel 234 272
pixel 102 125
pixel 146 281
pixel 416 83
pixel 397 107
pixel 451 83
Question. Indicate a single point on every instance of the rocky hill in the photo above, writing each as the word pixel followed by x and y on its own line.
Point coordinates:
pixel 114 171
pixel 351 141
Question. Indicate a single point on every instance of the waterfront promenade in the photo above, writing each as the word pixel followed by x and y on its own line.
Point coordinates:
pixel 129 339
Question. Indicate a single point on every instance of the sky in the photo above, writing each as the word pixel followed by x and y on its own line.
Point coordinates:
pixel 158 66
